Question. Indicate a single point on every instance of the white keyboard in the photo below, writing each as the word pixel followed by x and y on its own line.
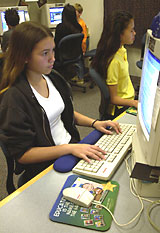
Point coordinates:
pixel 116 147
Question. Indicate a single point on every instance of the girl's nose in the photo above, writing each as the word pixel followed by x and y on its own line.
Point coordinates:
pixel 52 57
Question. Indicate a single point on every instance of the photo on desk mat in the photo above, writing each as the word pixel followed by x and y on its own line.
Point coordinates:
pixel 96 189
pixel 95 217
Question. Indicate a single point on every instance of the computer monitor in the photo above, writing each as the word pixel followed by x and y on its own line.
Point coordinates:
pixel 23 14
pixel 51 14
pixel 146 141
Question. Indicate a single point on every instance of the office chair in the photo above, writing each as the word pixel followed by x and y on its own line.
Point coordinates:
pixel 10 169
pixel 105 97
pixel 70 58
pixel 89 54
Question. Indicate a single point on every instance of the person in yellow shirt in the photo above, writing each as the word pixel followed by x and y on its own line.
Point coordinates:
pixel 111 62
pixel 79 10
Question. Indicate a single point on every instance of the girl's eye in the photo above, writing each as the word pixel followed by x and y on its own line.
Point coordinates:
pixel 45 53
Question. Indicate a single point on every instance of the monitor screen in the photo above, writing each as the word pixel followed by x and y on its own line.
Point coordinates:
pixel 149 81
pixel 55 15
pixel 4 25
pixel 22 16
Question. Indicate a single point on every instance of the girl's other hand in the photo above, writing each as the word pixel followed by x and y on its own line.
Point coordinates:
pixel 103 125
pixel 87 151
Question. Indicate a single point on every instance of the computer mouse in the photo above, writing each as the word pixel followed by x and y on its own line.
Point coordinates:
pixel 78 195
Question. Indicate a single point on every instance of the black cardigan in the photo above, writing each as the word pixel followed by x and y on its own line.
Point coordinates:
pixel 24 122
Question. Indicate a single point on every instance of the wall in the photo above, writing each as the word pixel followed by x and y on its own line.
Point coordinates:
pixel 93 17
pixel 142 11
pixel 134 55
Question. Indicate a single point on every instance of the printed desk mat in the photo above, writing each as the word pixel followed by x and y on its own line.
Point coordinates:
pixel 95 217
pixel 132 111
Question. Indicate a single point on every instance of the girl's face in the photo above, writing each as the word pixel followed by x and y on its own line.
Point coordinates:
pixel 128 35
pixel 88 186
pixel 42 57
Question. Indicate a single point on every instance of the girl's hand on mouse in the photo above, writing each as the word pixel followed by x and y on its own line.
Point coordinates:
pixel 87 151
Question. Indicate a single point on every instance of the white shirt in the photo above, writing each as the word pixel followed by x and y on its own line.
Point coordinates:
pixel 54 106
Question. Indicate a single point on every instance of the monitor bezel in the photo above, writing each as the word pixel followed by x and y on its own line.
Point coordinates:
pixel 45 14
pixel 149 150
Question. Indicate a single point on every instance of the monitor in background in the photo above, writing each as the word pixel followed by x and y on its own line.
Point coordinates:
pixel 146 141
pixel 55 15
pixel 23 14
pixel 51 14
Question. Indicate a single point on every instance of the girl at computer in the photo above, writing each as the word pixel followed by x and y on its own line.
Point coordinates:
pixel 111 62
pixel 68 26
pixel 37 120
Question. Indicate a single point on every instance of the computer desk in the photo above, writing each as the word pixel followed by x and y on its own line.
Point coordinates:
pixel 27 209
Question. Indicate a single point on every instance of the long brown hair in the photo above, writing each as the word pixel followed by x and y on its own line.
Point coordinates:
pixel 23 39
pixel 110 41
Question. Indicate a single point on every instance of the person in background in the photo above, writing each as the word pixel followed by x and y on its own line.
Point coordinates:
pixel 37 119
pixel 111 62
pixel 12 19
pixel 68 26
pixel 79 11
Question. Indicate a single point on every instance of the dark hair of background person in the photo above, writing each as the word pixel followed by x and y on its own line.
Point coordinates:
pixel 110 41
pixel 69 19
pixel 30 33
pixel 12 17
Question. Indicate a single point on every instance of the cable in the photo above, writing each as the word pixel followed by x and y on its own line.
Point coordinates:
pixel 119 224
pixel 134 192
pixel 150 207
pixel 140 199
pixel 132 185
